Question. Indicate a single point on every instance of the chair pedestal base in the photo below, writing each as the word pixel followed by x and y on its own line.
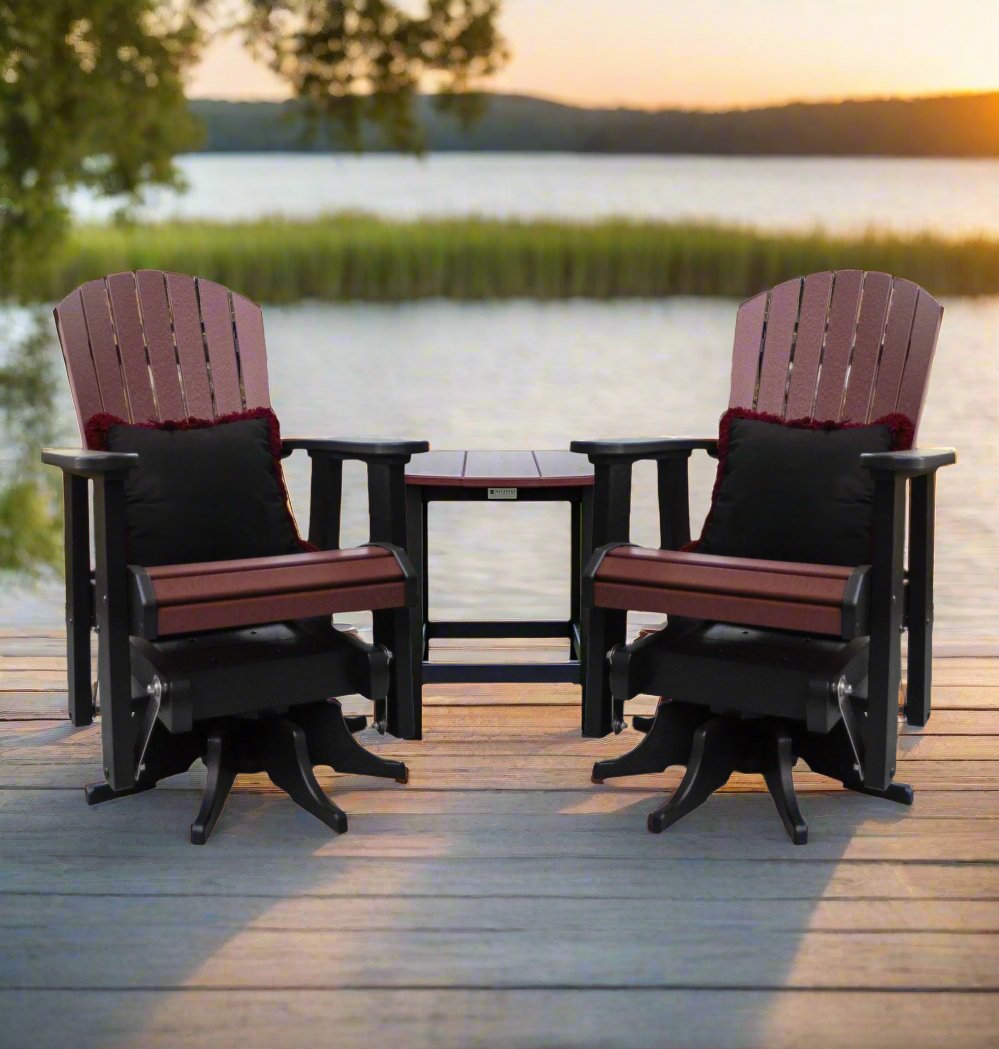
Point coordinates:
pixel 286 747
pixel 712 747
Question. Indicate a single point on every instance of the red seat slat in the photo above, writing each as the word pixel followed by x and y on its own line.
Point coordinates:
pixel 779 594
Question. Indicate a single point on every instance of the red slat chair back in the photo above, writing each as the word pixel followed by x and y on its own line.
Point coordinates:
pixel 151 346
pixel 844 345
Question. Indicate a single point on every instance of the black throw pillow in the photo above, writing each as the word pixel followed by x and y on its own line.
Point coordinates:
pixel 796 490
pixel 202 490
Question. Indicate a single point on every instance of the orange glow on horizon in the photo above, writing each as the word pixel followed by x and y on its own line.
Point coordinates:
pixel 713 55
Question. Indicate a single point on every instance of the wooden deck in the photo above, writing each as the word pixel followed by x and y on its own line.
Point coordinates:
pixel 498 900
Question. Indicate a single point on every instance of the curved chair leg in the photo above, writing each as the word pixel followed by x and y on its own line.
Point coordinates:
pixel 668 742
pixel 713 758
pixel 220 758
pixel 330 742
pixel 167 755
pixel 284 754
pixel 778 761
pixel 831 755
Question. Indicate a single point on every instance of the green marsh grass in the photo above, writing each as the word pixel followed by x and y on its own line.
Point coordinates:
pixel 360 257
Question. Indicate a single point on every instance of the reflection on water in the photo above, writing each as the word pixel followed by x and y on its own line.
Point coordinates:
pixel 948 196
pixel 521 374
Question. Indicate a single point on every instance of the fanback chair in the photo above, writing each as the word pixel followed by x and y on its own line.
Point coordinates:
pixel 802 660
pixel 233 661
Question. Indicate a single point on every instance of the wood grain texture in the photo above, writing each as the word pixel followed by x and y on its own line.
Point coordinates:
pixel 842 326
pixel 131 346
pixel 500 898
pixel 778 344
pixel 749 322
pixel 159 335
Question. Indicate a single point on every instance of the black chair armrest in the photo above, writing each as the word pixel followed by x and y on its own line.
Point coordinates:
pixel 365 451
pixel 634 449
pixel 917 462
pixel 107 471
pixel 386 463
pixel 81 462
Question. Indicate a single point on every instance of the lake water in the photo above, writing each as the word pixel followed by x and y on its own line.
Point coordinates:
pixel 949 197
pixel 522 374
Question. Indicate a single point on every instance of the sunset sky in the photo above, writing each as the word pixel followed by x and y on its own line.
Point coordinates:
pixel 710 53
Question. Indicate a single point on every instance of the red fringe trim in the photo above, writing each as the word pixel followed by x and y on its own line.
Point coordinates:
pixel 98 427
pixel 900 426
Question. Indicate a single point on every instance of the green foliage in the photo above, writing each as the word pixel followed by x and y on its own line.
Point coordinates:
pixel 30 521
pixel 90 94
pixel 360 257
pixel 358 62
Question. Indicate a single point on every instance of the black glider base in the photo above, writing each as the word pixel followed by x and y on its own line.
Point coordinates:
pixel 285 746
pixel 713 746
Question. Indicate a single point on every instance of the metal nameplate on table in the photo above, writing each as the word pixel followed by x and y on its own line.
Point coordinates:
pixel 501 493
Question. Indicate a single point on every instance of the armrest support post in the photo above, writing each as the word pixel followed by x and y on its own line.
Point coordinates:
pixel 326 494
pixel 613 461
pixel 386 463
pixel 79 608
pixel 919 610
pixel 885 669
pixel 611 502
pixel 113 657
pixel 387 501
pixel 674 501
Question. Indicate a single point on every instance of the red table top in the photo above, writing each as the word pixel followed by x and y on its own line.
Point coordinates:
pixel 475 469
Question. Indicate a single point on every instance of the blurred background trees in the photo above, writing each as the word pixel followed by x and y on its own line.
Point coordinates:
pixel 92 95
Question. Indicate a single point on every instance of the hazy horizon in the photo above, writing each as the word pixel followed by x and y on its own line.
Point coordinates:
pixel 611 106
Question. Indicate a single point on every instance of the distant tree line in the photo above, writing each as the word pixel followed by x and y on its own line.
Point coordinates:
pixel 948 126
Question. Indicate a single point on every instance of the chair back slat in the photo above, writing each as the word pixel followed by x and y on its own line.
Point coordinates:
pixel 162 346
pixel 158 327
pixel 840 331
pixel 749 325
pixel 71 325
pixel 846 345
pixel 867 347
pixel 131 346
pixel 782 316
pixel 249 324
pixel 808 345
pixel 103 349
pixel 216 315
pixel 922 346
pixel 182 293
pixel 898 332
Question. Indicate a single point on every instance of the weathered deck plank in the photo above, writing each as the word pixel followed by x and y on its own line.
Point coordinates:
pixel 501 898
